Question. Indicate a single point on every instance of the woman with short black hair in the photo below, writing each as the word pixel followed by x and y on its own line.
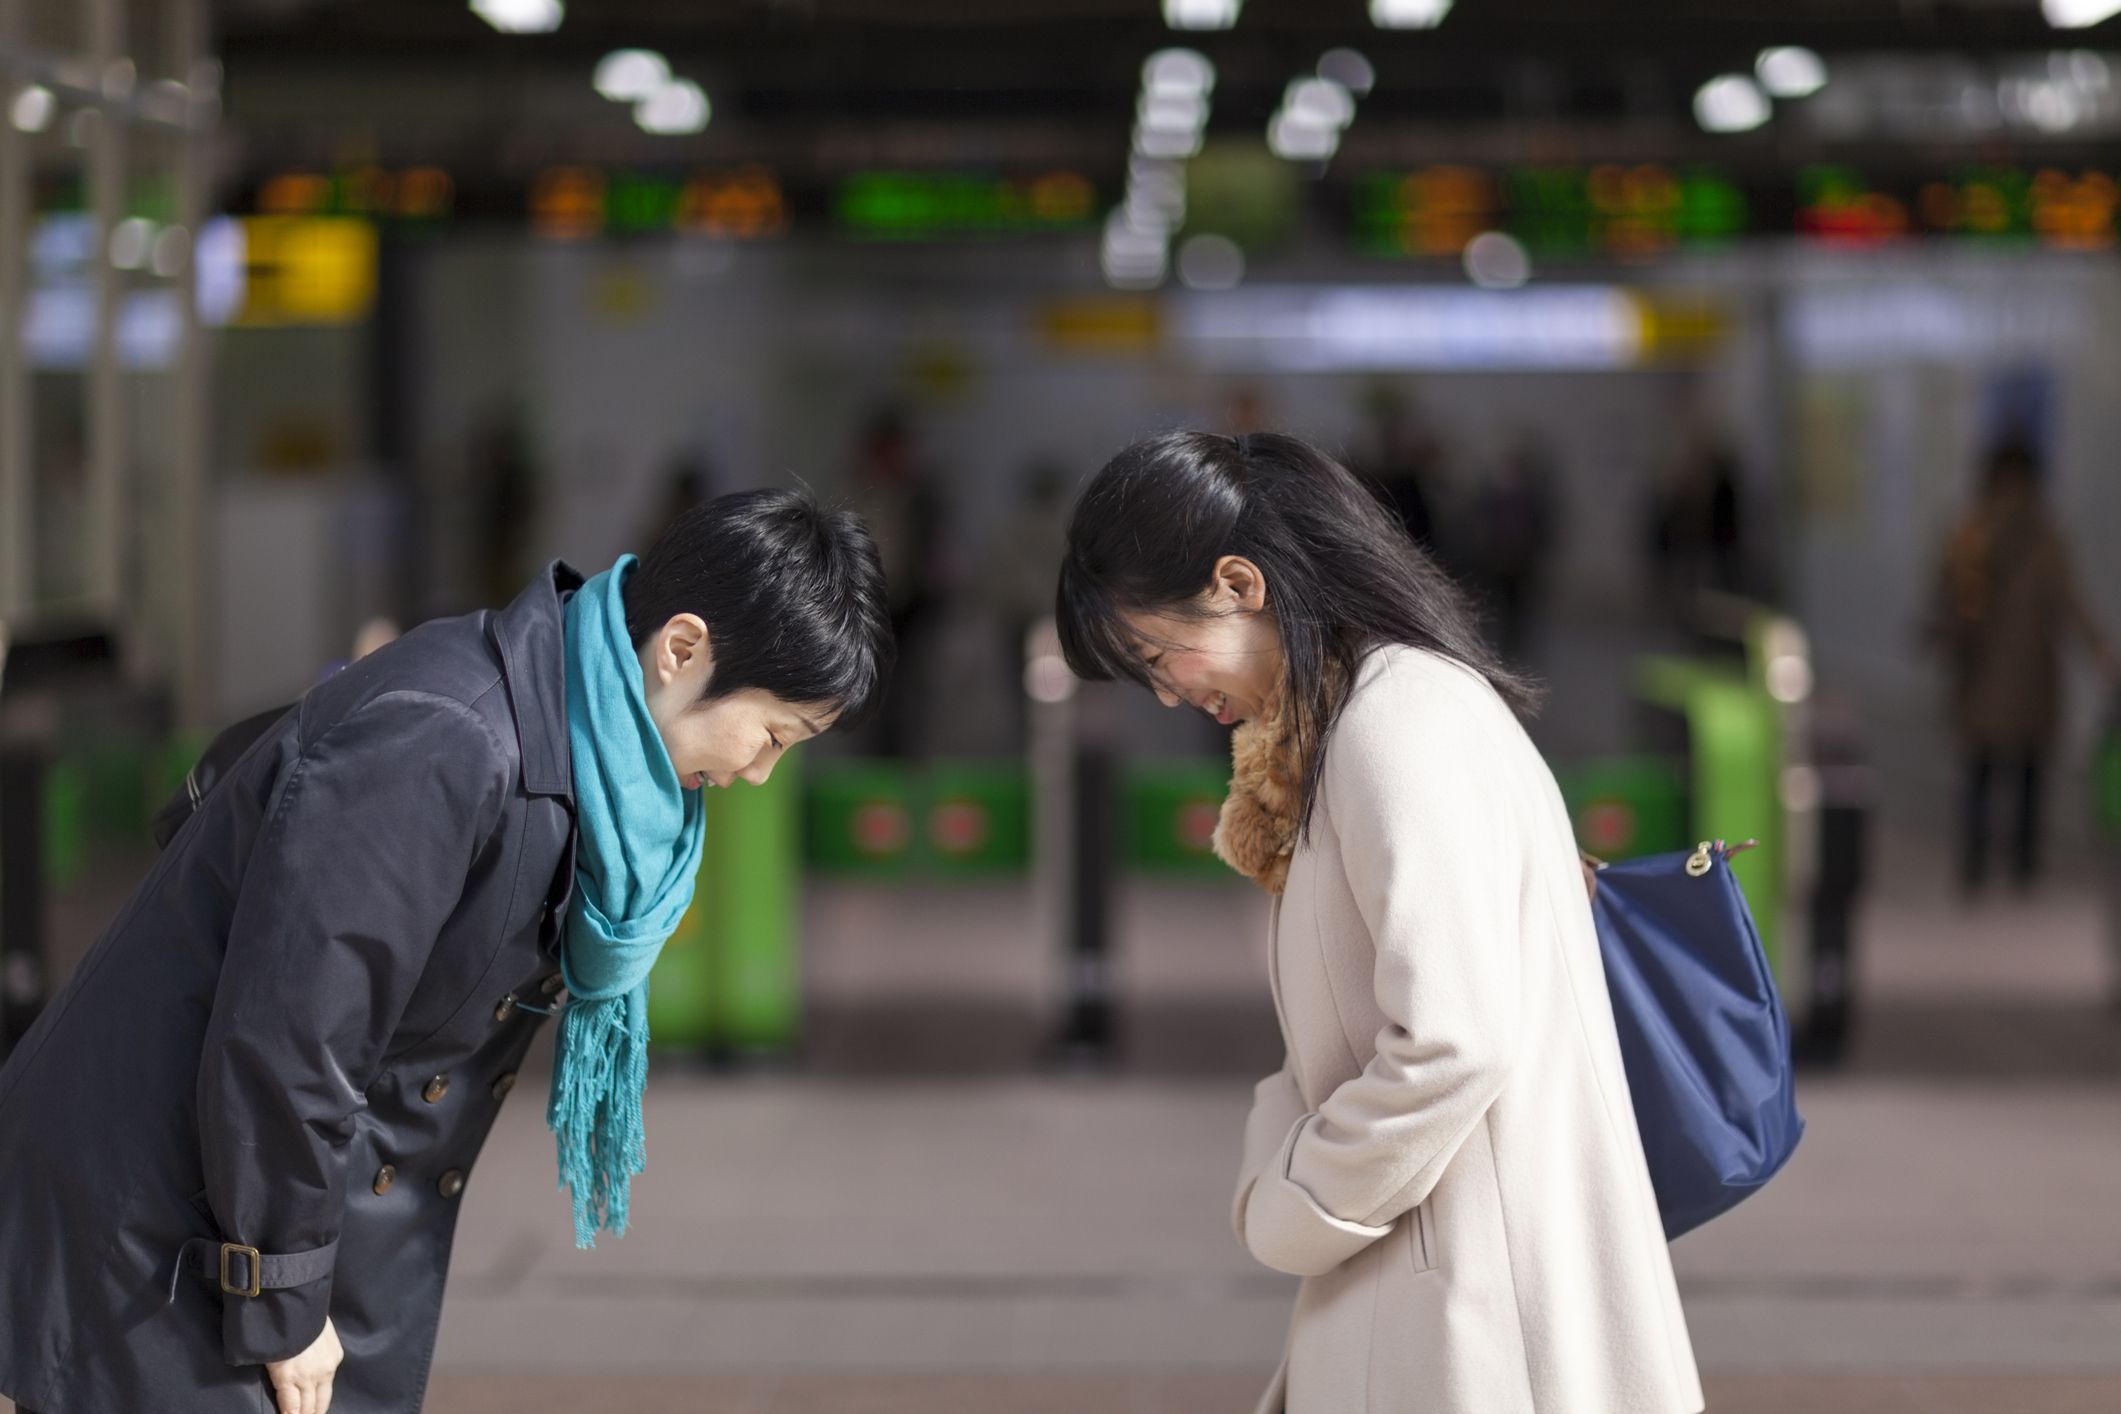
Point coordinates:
pixel 231 1148
pixel 1448 1157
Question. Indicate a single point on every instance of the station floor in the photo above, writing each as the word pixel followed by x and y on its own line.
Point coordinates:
pixel 922 1212
pixel 925 1211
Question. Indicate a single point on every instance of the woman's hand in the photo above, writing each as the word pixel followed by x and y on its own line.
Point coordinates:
pixel 303 1382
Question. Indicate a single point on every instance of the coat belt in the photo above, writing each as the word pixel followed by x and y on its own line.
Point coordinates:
pixel 245 1271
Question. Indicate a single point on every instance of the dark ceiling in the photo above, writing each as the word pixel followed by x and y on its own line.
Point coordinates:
pixel 814 83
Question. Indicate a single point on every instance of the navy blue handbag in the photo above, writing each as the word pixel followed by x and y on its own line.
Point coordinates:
pixel 1702 1030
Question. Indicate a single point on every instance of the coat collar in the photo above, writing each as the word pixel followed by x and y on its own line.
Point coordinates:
pixel 530 636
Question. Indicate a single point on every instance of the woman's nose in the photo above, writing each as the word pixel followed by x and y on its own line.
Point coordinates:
pixel 756 773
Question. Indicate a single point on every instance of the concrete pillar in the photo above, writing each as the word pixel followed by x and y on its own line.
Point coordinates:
pixel 17 567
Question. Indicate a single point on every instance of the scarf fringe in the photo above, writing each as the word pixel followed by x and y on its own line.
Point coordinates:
pixel 596 1111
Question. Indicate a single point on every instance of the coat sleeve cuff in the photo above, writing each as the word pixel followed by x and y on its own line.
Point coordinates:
pixel 274 1325
pixel 1287 1230
pixel 1276 1104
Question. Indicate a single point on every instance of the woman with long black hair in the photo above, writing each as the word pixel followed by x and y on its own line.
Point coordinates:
pixel 1448 1155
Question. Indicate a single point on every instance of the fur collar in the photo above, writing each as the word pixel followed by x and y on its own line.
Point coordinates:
pixel 1256 835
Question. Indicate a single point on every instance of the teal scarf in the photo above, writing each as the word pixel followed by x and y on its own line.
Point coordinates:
pixel 638 851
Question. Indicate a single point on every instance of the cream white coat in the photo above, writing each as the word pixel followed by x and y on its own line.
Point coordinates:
pixel 1449 1155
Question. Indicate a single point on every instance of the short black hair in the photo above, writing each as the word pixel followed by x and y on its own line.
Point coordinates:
pixel 792 595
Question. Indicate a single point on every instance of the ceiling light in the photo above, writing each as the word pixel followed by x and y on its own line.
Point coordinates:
pixel 1210 262
pixel 2053 107
pixel 1297 139
pixel 1143 214
pixel 2083 68
pixel 1790 72
pixel 1408 14
pixel 1123 235
pixel 2079 14
pixel 521 16
pixel 630 75
pixel 1322 102
pixel 1127 275
pixel 1201 14
pixel 1157 192
pixel 32 109
pixel 1131 257
pixel 1173 112
pixel 171 250
pixel 131 241
pixel 1349 69
pixel 677 107
pixel 1730 103
pixel 1148 170
pixel 1161 142
pixel 1177 71
pixel 1495 261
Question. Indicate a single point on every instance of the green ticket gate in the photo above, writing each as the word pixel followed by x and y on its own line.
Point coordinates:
pixel 730 978
pixel 1170 810
pixel 859 819
pixel 1734 770
pixel 954 820
pixel 976 819
pixel 1626 806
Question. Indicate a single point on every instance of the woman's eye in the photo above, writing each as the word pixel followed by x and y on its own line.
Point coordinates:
pixel 775 740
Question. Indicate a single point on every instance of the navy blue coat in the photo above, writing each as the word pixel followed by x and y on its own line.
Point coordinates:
pixel 294 1038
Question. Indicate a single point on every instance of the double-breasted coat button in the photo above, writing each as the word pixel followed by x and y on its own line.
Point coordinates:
pixel 435 1090
pixel 504 1006
pixel 385 1177
pixel 502 1086
pixel 551 985
pixel 451 1184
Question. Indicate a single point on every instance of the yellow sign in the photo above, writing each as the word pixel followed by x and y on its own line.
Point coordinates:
pixel 308 270
pixel 1101 324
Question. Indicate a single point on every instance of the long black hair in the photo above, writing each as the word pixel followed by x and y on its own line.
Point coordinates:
pixel 792 595
pixel 1342 575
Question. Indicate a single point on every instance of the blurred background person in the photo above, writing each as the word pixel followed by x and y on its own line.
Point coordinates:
pixel 1513 533
pixel 1697 530
pixel 2007 601
pixel 894 491
pixel 1401 459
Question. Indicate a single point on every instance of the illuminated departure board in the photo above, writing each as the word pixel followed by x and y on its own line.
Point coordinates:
pixel 1641 212
pixel 1628 212
pixel 912 206
pixel 580 203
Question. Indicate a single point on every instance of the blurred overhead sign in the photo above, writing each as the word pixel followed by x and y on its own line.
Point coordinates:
pixel 1388 327
pixel 1614 211
pixel 2051 207
pixel 1645 211
pixel 1383 328
pixel 581 203
pixel 913 206
pixel 411 194
pixel 307 270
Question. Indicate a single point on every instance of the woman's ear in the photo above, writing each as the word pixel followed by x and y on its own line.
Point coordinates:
pixel 682 649
pixel 1240 583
